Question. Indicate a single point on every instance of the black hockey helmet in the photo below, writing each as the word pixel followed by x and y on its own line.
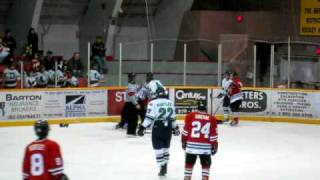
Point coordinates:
pixel 41 128
pixel 235 74
pixel 131 77
pixel 161 93
pixel 149 76
pixel 201 105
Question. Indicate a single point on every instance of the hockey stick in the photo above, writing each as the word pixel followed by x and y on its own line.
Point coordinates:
pixel 212 103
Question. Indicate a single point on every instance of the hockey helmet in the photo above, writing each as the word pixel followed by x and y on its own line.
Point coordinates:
pixel 41 128
pixel 161 93
pixel 149 76
pixel 131 77
pixel 201 105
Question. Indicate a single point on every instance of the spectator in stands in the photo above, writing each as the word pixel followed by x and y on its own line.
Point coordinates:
pixel 10 42
pixel 94 76
pixel 33 41
pixel 11 75
pixel 28 51
pixel 48 61
pixel 98 53
pixel 4 52
pixel 75 66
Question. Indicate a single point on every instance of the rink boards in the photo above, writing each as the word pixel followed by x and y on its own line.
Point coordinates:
pixel 84 105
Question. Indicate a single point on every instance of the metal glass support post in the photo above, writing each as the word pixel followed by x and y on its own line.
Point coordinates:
pixel 289 61
pixel 272 66
pixel 184 64
pixel 88 73
pixel 254 65
pixel 219 64
pixel 120 64
pixel 55 74
pixel 21 75
pixel 151 57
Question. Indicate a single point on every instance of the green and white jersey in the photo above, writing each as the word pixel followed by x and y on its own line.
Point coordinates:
pixel 160 109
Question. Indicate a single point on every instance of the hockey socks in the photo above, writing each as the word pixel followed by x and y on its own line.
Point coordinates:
pixel 162 157
pixel 235 120
pixel 226 114
pixel 188 171
pixel 205 172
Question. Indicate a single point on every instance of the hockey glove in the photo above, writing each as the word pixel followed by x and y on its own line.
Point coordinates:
pixel 141 130
pixel 64 177
pixel 184 145
pixel 214 149
pixel 176 131
pixel 220 95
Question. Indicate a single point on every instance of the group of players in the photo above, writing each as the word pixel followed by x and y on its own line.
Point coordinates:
pixel 199 137
pixel 39 77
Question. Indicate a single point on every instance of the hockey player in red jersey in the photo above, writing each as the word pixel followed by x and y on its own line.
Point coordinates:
pixel 42 158
pixel 235 95
pixel 199 138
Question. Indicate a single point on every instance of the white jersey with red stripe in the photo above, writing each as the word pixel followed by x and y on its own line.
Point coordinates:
pixel 199 133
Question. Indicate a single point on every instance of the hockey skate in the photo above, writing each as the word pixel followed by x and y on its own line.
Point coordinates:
pixel 225 120
pixel 234 122
pixel 163 170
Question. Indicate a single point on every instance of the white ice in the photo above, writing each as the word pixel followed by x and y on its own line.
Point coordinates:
pixel 252 151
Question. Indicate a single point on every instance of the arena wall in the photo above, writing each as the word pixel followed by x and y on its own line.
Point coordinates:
pixel 90 105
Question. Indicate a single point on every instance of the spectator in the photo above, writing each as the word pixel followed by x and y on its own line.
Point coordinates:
pixel 33 41
pixel 74 65
pixel 11 75
pixel 48 61
pixel 95 76
pixel 98 53
pixel 9 42
pixel 4 52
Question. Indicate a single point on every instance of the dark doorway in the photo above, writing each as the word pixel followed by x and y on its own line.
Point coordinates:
pixel 263 60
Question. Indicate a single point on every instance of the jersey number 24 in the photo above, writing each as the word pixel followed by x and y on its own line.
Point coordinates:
pixel 198 129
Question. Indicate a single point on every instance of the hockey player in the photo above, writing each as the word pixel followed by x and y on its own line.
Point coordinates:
pixel 11 75
pixel 95 76
pixel 129 113
pixel 30 80
pixel 224 94
pixel 161 116
pixel 199 138
pixel 41 77
pixel 42 158
pixel 153 85
pixel 143 99
pixel 235 95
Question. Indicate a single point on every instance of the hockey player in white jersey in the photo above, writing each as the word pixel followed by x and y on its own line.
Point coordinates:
pixel 152 85
pixel 161 116
pixel 95 76
pixel 11 75
pixel 226 82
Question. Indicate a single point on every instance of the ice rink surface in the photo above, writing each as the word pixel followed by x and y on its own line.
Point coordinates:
pixel 252 151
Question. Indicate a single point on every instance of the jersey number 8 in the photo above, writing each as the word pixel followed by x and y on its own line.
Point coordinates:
pixel 37 168
pixel 197 129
